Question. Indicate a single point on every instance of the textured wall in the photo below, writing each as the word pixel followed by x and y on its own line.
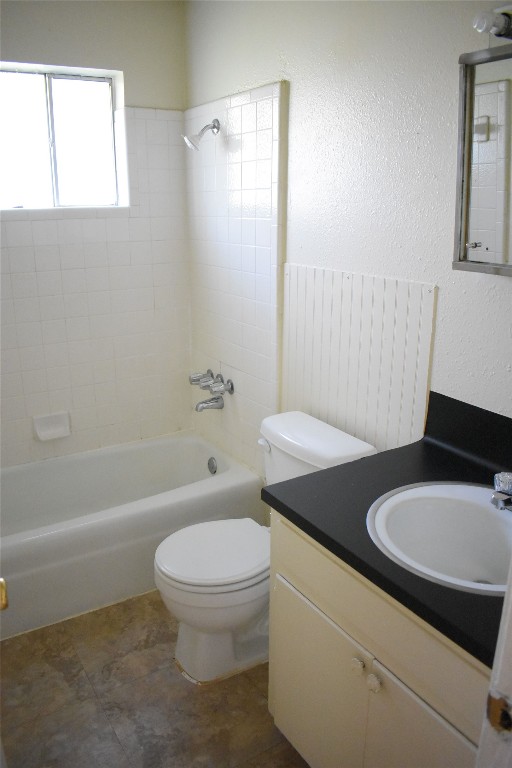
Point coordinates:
pixel 143 38
pixel 372 153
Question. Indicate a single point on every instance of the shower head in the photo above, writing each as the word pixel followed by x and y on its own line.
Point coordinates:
pixel 192 142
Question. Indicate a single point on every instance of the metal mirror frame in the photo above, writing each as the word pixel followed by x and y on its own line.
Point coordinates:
pixel 467 63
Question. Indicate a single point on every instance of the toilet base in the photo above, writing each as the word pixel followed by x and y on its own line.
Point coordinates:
pixel 204 657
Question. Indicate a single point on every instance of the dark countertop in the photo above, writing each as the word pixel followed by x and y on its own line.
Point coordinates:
pixel 331 507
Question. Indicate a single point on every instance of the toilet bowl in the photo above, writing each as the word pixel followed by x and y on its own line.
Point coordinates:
pixel 214 578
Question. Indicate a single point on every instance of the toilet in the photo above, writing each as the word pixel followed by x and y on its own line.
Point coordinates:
pixel 214 576
pixel 297 444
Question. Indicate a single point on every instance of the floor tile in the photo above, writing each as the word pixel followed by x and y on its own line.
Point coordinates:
pixel 124 641
pixel 41 672
pixel 76 736
pixel 258 677
pixel 165 717
pixel 102 691
pixel 281 756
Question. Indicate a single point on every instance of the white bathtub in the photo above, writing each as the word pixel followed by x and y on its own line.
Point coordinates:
pixel 80 532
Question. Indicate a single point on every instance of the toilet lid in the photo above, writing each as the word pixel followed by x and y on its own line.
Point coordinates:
pixel 215 553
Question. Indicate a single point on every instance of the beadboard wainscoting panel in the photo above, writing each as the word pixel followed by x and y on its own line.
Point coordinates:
pixel 356 352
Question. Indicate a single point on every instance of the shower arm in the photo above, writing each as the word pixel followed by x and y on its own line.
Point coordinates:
pixel 193 142
pixel 214 127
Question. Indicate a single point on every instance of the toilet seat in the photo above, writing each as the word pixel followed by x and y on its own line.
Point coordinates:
pixel 217 556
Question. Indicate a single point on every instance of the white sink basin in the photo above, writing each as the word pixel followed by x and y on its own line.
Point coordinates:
pixel 446 532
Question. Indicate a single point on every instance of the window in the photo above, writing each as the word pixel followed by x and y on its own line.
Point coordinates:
pixel 57 144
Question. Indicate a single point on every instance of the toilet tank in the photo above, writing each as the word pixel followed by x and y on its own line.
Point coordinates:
pixel 295 444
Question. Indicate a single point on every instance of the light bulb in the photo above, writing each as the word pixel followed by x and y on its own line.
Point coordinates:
pixel 499 24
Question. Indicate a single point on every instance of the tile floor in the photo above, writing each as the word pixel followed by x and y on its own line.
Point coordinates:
pixel 101 690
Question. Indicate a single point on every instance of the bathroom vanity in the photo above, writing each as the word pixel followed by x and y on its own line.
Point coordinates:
pixel 370 664
pixel 357 680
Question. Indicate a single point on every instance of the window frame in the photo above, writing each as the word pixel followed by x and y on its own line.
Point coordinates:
pixel 116 87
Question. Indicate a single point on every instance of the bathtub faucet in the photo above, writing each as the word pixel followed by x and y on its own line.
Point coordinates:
pixel 212 402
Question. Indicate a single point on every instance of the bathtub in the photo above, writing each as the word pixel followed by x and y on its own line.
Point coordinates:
pixel 80 532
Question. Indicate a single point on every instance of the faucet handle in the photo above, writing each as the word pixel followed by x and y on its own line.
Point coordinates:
pixel 503 482
pixel 218 387
pixel 502 496
pixel 195 378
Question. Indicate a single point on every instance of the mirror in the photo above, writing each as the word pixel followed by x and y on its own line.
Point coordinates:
pixel 483 240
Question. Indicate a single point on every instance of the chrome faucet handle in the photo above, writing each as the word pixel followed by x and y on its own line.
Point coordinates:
pixel 205 382
pixel 503 482
pixel 218 387
pixel 502 496
pixel 195 378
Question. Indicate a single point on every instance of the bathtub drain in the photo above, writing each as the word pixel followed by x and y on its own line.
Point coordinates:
pixel 212 465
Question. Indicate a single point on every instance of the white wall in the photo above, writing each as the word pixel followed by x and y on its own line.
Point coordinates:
pixel 373 106
pixel 95 303
pixel 144 38
pixel 372 153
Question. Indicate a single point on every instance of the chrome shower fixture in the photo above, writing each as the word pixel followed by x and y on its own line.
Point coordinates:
pixel 192 142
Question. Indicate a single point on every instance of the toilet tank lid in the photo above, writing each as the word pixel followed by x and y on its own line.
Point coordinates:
pixel 311 440
pixel 215 553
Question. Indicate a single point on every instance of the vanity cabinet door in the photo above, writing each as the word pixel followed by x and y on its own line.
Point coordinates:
pixel 404 731
pixel 318 680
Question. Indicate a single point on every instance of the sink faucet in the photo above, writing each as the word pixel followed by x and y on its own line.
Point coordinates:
pixel 212 402
pixel 502 496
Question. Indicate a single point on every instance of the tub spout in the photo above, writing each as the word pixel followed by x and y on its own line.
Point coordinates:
pixel 212 402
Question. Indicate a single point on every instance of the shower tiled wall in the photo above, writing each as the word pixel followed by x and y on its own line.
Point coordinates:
pixel 490 171
pixel 95 307
pixel 236 211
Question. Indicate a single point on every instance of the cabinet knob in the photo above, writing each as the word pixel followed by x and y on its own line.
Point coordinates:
pixel 373 683
pixel 357 666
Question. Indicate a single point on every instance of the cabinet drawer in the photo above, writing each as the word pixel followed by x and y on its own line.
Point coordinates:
pixel 442 674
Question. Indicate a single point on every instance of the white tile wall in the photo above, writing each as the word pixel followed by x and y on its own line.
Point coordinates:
pixel 95 307
pixel 236 221
pixel 490 172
